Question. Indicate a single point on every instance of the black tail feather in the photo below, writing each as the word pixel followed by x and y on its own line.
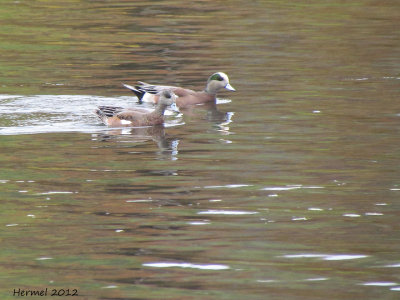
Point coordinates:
pixel 105 112
pixel 108 111
pixel 136 90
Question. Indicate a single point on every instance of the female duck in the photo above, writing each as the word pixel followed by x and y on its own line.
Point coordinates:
pixel 131 117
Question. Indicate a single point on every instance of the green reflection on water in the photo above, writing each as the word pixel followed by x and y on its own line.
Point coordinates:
pixel 70 196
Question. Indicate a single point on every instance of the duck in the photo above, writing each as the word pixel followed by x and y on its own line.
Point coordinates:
pixel 150 93
pixel 113 116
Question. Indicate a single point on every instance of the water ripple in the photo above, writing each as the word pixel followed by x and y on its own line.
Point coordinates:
pixel 186 265
pixel 380 283
pixel 289 187
pixel 57 113
pixel 226 212
pixel 229 186
pixel 326 256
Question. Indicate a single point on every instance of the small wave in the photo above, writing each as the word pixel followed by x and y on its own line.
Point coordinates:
pixel 186 265
pixel 327 256
pixel 226 212
pixel 58 113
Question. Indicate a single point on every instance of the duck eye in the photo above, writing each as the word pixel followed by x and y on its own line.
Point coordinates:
pixel 217 77
pixel 167 95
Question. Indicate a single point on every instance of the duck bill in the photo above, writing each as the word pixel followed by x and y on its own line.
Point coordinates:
pixel 230 88
pixel 175 108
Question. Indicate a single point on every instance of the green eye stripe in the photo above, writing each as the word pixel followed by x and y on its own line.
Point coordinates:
pixel 216 77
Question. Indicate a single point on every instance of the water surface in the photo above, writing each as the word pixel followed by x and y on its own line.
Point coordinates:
pixel 287 189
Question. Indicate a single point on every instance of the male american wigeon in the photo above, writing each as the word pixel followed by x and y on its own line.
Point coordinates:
pixel 131 117
pixel 150 93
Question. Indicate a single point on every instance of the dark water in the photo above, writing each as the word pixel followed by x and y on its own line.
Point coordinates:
pixel 288 189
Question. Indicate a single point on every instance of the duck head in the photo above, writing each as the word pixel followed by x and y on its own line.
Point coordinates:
pixel 218 81
pixel 168 98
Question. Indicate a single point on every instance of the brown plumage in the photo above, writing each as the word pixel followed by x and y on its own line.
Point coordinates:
pixel 131 117
pixel 186 97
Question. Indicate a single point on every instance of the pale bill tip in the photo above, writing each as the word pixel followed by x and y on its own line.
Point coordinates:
pixel 175 108
pixel 229 87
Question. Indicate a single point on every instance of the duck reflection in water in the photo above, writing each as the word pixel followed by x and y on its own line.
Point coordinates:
pixel 187 100
pixel 139 125
pixel 167 145
pixel 220 119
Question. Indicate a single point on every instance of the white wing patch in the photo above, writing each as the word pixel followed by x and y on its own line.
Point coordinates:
pixel 126 122
pixel 147 97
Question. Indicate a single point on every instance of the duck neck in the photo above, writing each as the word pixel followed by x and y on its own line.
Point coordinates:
pixel 160 109
pixel 210 89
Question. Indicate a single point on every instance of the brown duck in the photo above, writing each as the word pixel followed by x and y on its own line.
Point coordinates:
pixel 131 117
pixel 186 97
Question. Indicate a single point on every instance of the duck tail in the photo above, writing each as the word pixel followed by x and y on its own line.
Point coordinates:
pixel 136 90
pixel 101 114
pixel 105 112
